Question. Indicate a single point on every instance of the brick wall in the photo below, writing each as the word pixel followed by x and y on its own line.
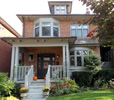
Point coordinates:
pixel 29 28
pixel 64 27
pixel 5 57
pixel 39 50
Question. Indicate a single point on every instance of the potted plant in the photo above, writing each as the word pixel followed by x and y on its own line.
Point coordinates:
pixel 46 91
pixel 23 91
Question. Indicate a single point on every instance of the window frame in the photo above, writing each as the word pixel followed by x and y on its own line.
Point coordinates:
pixel 75 49
pixel 82 28
pixel 30 54
pixel 51 21
pixel 60 6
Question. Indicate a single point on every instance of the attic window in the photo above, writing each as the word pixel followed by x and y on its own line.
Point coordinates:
pixel 60 9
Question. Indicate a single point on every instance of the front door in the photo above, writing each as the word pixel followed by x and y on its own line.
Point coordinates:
pixel 43 61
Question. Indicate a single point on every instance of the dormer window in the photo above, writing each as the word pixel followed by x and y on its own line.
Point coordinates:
pixel 60 9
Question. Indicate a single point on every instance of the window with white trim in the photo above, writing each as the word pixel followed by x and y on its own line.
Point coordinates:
pixel 56 29
pixel 37 30
pixel 60 9
pixel 46 29
pixel 80 31
pixel 77 56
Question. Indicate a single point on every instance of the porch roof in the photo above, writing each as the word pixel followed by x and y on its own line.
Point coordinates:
pixel 21 40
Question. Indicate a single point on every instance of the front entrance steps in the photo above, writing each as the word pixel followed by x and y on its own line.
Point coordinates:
pixel 35 90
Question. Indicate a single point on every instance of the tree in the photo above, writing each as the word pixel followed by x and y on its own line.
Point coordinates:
pixel 104 19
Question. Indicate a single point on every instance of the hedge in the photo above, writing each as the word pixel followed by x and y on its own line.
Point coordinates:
pixel 87 78
pixel 83 78
pixel 105 75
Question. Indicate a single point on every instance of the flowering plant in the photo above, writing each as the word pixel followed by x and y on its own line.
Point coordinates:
pixel 46 89
pixel 23 90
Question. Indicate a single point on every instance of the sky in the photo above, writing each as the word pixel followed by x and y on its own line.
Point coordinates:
pixel 9 9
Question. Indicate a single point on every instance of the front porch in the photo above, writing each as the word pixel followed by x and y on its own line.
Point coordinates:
pixel 50 57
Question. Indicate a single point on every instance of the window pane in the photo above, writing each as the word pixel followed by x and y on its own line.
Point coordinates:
pixel 46 31
pixel 62 11
pixel 85 32
pixel 85 26
pixel 37 32
pixel 37 25
pixel 55 31
pixel 72 53
pixel 73 26
pixel 79 26
pixel 79 61
pixel 85 52
pixel 79 33
pixel 79 52
pixel 73 32
pixel 62 7
pixel 57 7
pixel 46 24
pixel 72 61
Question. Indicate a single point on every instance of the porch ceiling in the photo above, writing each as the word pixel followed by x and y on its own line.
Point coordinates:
pixel 35 40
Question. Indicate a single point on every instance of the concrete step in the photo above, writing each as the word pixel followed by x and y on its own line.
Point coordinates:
pixel 36 99
pixel 35 90
pixel 38 84
pixel 34 95
pixel 39 80
pixel 36 87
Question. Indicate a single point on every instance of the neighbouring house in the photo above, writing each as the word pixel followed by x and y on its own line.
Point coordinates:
pixel 5 49
pixel 52 46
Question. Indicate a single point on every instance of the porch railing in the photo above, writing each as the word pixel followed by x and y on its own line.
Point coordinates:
pixel 29 77
pixel 56 71
pixel 21 72
pixel 48 77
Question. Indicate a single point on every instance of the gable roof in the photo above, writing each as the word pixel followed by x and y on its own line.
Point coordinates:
pixel 8 27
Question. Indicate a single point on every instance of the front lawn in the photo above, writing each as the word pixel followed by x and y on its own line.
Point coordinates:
pixel 89 95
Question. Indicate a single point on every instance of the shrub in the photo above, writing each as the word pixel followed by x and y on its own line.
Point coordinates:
pixel 15 90
pixel 93 62
pixel 104 75
pixel 105 86
pixel 5 84
pixel 97 83
pixel 83 78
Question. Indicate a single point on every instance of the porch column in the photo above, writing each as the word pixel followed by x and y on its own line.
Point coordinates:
pixel 63 61
pixel 12 63
pixel 68 59
pixel 16 63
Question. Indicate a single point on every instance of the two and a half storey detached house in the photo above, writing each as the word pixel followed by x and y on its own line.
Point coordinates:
pixel 52 45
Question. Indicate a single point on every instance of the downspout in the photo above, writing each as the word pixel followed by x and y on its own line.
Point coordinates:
pixel 23 26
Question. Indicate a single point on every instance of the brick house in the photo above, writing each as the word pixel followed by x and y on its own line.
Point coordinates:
pixel 5 49
pixel 53 45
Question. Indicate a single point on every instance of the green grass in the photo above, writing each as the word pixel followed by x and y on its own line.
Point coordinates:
pixel 89 95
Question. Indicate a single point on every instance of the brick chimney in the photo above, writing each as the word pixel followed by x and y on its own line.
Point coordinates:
pixel 87 11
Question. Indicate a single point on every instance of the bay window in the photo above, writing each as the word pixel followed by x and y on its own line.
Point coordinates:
pixel 77 56
pixel 80 31
pixel 46 27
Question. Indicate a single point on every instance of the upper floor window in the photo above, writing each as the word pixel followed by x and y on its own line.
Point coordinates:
pixel 55 29
pixel 80 31
pixel 46 27
pixel 60 9
pixel 37 30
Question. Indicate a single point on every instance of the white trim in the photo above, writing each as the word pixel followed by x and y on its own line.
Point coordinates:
pixel 12 63
pixel 51 21
pixel 64 61
pixel 16 62
pixel 40 45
